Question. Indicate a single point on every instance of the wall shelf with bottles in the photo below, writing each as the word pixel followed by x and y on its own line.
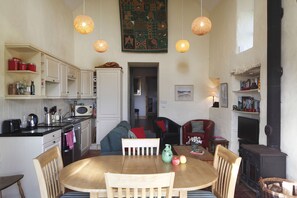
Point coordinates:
pixel 246 112
pixel 19 73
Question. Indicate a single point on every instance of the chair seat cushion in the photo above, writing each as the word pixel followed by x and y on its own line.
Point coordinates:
pixel 76 194
pixel 200 194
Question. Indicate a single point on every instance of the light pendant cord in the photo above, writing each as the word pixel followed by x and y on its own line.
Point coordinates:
pixel 201 7
pixel 84 7
pixel 182 23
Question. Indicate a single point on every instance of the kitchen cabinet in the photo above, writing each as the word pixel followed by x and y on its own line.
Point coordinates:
pixel 64 80
pixel 109 97
pixel 73 79
pixel 16 80
pixel 51 69
pixel 53 77
pixel 16 157
pixel 86 84
pixel 85 136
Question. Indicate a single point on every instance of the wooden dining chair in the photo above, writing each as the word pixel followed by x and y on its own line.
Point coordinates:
pixel 139 185
pixel 48 166
pixel 140 146
pixel 227 165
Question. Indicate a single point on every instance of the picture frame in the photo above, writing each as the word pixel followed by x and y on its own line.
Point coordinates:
pixel 184 92
pixel 224 95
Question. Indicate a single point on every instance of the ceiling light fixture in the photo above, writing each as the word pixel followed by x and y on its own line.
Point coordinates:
pixel 182 45
pixel 201 25
pixel 83 23
pixel 100 45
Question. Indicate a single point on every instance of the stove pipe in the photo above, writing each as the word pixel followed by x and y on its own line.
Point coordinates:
pixel 274 73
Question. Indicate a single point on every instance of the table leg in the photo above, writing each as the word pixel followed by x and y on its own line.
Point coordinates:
pixel 94 194
pixel 21 189
pixel 183 194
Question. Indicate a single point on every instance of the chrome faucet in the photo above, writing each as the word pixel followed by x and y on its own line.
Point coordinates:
pixel 63 116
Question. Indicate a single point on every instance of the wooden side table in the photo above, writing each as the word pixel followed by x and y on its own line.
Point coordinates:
pixel 10 180
pixel 214 141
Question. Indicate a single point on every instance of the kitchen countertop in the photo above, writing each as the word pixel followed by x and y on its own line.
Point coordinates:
pixel 44 129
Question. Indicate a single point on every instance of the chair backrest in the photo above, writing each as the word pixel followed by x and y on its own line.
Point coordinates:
pixel 140 146
pixel 47 166
pixel 227 164
pixel 139 185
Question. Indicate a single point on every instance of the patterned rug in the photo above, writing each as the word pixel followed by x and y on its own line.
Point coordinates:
pixel 144 25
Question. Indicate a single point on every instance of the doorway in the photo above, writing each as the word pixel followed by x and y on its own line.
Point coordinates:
pixel 143 94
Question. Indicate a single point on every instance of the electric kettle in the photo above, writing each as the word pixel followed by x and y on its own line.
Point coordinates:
pixel 32 121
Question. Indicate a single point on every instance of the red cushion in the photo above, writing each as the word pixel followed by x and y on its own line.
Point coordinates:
pixel 161 124
pixel 139 132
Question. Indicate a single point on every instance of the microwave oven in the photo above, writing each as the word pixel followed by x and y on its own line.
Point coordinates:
pixel 83 110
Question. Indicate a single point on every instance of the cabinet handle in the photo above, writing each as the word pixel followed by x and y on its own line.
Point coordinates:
pixel 54 141
pixel 53 80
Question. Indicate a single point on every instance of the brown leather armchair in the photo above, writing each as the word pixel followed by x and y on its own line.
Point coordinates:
pixel 205 134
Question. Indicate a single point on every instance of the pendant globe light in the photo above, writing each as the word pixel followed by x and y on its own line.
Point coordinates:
pixel 100 45
pixel 83 23
pixel 201 25
pixel 182 45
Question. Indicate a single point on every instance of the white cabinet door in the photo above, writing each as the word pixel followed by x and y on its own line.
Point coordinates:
pixel 64 81
pixel 51 69
pixel 109 97
pixel 86 84
pixel 85 136
pixel 73 81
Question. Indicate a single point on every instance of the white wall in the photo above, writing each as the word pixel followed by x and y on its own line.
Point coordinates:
pixel 288 87
pixel 223 60
pixel 174 68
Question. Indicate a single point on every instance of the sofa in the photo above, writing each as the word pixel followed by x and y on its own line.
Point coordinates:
pixel 167 130
pixel 111 144
pixel 203 129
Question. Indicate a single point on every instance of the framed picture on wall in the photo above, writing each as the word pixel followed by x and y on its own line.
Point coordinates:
pixel 184 92
pixel 224 95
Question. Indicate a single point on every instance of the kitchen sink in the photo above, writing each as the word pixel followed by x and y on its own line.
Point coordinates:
pixel 70 119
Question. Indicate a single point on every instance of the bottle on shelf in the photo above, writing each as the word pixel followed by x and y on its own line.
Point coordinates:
pixel 32 88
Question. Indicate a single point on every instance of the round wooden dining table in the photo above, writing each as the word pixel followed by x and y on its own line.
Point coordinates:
pixel 87 175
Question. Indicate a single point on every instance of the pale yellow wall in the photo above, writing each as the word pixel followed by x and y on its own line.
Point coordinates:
pixel 288 87
pixel 174 68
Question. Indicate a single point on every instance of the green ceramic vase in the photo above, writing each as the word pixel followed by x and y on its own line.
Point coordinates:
pixel 167 154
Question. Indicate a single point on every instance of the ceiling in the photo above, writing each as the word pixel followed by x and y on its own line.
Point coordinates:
pixel 207 4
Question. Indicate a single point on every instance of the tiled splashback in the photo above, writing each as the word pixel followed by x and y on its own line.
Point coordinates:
pixel 16 109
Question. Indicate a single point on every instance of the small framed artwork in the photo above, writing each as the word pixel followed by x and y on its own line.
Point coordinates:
pixel 184 92
pixel 224 95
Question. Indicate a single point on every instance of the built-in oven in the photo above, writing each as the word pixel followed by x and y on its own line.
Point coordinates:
pixel 68 141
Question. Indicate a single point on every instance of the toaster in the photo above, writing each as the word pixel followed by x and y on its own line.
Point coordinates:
pixel 11 126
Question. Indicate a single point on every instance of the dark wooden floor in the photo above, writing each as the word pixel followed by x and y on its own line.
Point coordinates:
pixel 241 191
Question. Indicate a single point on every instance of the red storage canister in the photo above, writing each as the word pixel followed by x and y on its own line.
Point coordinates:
pixel 13 63
pixel 31 67
pixel 22 66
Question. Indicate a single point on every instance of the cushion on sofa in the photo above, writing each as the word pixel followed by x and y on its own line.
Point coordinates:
pixel 139 132
pixel 115 137
pixel 161 124
pixel 105 144
pixel 131 135
pixel 125 124
pixel 197 126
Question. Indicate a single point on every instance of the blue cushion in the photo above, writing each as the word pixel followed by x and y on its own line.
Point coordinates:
pixel 200 194
pixel 76 194
pixel 105 144
pixel 115 137
pixel 125 124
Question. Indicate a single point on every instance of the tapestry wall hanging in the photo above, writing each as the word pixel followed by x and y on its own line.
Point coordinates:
pixel 144 25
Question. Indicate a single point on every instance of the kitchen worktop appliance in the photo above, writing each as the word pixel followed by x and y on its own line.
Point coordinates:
pixel 32 121
pixel 83 110
pixel 11 126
